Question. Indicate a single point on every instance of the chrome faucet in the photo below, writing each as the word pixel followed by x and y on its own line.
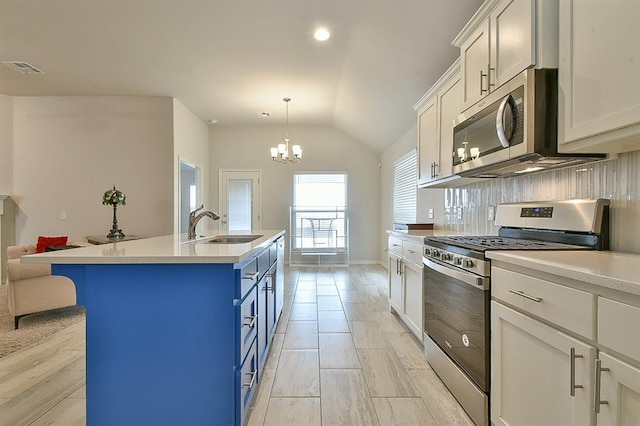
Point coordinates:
pixel 194 219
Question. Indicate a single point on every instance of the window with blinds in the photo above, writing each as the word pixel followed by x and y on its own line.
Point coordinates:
pixel 405 175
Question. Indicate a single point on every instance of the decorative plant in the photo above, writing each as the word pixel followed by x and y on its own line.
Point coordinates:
pixel 114 197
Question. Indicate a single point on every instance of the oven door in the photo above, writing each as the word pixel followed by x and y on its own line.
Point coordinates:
pixel 457 317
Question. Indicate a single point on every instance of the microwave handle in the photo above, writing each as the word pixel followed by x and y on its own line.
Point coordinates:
pixel 505 140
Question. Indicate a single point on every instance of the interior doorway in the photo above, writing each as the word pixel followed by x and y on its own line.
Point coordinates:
pixel 190 191
pixel 240 200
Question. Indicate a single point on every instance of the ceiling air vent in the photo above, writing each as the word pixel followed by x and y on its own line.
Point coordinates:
pixel 23 67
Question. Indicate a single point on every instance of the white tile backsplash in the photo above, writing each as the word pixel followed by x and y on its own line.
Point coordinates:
pixel 466 207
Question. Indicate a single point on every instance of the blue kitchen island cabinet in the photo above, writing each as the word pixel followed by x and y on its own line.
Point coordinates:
pixel 174 343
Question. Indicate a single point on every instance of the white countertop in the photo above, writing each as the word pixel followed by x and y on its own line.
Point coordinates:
pixel 614 270
pixel 419 235
pixel 166 249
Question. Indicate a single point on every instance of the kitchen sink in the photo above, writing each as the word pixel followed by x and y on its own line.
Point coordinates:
pixel 233 239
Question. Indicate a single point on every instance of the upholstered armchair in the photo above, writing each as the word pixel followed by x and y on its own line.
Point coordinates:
pixel 31 288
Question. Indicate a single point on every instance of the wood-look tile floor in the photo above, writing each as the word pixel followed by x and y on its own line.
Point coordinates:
pixel 339 357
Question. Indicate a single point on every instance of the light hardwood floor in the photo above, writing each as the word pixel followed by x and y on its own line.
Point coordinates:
pixel 339 357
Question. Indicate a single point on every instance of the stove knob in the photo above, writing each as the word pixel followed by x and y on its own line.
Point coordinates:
pixel 435 253
pixel 446 256
pixel 427 252
pixel 457 261
pixel 468 263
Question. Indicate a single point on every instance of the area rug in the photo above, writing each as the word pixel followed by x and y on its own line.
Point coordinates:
pixel 32 327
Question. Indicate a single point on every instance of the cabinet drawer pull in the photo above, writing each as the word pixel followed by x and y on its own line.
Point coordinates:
pixel 253 375
pixel 252 277
pixel 489 83
pixel 396 245
pixel 526 296
pixel 252 321
pixel 482 90
pixel 596 394
pixel 410 251
pixel 573 386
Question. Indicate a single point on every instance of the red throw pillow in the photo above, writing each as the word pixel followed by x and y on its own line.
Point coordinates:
pixel 44 242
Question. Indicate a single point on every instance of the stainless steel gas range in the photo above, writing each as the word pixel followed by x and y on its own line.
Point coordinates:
pixel 457 282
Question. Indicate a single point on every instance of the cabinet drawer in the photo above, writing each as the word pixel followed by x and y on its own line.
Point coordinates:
pixel 264 263
pixel 273 252
pixel 567 307
pixel 412 252
pixel 247 382
pixel 618 327
pixel 248 277
pixel 395 244
pixel 248 322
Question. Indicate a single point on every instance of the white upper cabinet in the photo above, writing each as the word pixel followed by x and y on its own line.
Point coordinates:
pixel 504 38
pixel 427 141
pixel 599 76
pixel 474 54
pixel 436 111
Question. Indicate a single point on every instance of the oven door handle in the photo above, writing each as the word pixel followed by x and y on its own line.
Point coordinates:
pixel 465 277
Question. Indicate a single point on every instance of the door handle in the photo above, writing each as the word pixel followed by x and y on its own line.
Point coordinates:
pixel 596 394
pixel 572 379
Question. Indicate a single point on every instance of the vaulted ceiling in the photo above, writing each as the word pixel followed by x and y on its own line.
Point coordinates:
pixel 230 60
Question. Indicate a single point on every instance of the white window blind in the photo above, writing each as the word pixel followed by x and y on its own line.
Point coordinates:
pixel 405 175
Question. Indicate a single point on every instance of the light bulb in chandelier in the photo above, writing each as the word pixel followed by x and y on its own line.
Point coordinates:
pixel 280 154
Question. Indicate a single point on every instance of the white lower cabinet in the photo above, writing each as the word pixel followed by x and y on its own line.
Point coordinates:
pixel 562 351
pixel 396 286
pixel 413 298
pixel 618 401
pixel 540 376
pixel 406 294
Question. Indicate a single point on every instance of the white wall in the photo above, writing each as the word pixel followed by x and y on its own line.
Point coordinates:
pixel 69 150
pixel 6 144
pixel 427 198
pixel 324 149
pixel 190 144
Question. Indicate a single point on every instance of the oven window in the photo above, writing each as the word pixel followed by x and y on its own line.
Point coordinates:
pixel 457 319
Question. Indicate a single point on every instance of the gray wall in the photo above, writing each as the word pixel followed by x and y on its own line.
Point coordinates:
pixel 324 149
pixel 69 150
pixel 6 144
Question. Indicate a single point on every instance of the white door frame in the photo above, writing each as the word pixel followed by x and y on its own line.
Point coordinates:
pixel 256 175
pixel 199 189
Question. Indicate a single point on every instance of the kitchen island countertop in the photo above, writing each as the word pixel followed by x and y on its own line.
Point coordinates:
pixel 609 269
pixel 174 248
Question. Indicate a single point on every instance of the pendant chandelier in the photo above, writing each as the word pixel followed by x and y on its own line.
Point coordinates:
pixel 280 154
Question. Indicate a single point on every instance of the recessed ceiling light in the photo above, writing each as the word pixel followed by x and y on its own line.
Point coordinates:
pixel 213 121
pixel 264 114
pixel 322 34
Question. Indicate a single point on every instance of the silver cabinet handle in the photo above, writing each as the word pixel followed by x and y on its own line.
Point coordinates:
pixel 400 269
pixel 573 385
pixel 410 251
pixel 525 295
pixel 252 321
pixel 252 277
pixel 254 375
pixel 489 83
pixel 596 394
pixel 483 91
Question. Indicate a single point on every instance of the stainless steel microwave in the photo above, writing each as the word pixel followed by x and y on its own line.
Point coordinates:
pixel 513 130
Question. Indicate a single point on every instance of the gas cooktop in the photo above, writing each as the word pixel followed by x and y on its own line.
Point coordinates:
pixel 492 242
